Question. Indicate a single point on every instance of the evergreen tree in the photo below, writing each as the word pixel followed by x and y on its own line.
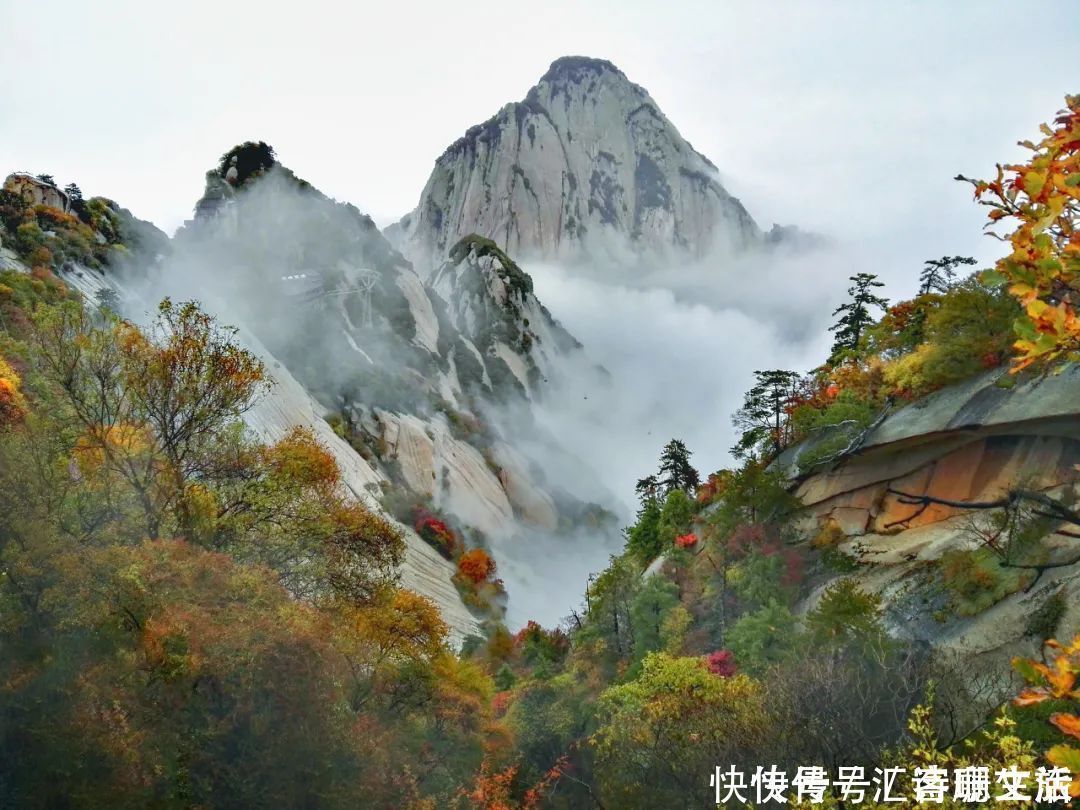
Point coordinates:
pixel 938 274
pixel 763 417
pixel 78 204
pixel 675 469
pixel 643 538
pixel 647 488
pixel 675 516
pixel 856 315
pixel 505 678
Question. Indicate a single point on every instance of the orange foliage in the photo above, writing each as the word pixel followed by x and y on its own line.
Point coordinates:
pixel 500 704
pixel 476 566
pixel 1058 679
pixel 301 459
pixel 494 790
pixel 714 487
pixel 12 404
pixel 686 540
pixel 122 440
pixel 1043 269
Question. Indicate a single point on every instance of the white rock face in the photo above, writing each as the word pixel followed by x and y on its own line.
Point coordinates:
pixel 451 472
pixel 37 192
pixel 586 166
pixel 288 405
pixel 490 301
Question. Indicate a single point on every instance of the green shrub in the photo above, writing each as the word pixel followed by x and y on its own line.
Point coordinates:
pixel 1043 623
pixel 977 581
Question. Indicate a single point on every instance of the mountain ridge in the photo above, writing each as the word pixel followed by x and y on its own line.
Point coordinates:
pixel 585 167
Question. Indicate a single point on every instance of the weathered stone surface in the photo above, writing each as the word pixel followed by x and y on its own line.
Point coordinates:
pixel 533 504
pixel 851 520
pixel 36 192
pixel 490 301
pixel 585 166
pixel 980 402
pixel 971 443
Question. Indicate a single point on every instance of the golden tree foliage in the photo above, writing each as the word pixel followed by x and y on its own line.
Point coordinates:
pixel 1043 269
pixel 1057 680
pixel 12 404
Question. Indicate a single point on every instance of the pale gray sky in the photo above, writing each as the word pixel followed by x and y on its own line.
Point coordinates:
pixel 849 117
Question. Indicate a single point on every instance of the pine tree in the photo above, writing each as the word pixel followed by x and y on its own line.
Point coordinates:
pixel 643 538
pixel 763 417
pixel 647 488
pixel 938 274
pixel 856 315
pixel 675 469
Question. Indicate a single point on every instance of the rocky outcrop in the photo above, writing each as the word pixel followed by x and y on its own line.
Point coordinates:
pixel 35 191
pixel 288 405
pixel 586 166
pixel 490 301
pixel 408 368
pixel 971 443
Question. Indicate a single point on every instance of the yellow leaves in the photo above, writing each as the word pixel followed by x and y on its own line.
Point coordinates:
pixel 12 404
pixel 302 461
pixel 97 445
pixel 1059 679
pixel 1043 196
pixel 403 626
pixel 1065 756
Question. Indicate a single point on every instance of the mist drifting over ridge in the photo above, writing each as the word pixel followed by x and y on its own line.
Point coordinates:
pixel 678 343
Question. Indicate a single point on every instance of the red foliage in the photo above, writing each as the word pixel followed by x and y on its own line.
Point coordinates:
pixel 752 537
pixel 764 539
pixel 495 790
pixel 436 533
pixel 722 663
pixel 531 630
pixel 553 644
pixel 501 702
pixel 686 540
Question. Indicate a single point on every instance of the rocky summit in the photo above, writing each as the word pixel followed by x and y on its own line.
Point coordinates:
pixel 586 166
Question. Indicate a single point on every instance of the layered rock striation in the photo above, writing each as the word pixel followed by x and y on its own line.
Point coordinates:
pixel 586 166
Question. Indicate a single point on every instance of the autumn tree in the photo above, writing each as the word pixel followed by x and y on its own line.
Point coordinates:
pixel 855 315
pixel 764 417
pixel 159 428
pixel 1042 199
pixel 938 275
pixel 156 404
pixel 658 733
pixel 12 404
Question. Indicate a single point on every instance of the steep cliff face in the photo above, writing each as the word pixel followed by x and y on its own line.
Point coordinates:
pixel 35 191
pixel 586 166
pixel 490 301
pixel 403 371
pixel 973 443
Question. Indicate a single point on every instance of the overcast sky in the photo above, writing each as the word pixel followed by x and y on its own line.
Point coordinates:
pixel 849 118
